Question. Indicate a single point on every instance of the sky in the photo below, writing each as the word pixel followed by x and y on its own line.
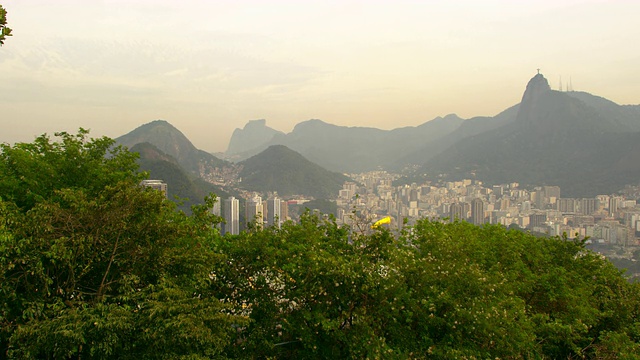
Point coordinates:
pixel 208 67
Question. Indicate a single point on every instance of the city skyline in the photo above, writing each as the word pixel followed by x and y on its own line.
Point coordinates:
pixel 209 67
pixel 612 219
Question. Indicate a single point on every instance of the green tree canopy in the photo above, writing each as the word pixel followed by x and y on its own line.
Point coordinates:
pixel 315 290
pixel 93 265
pixel 4 30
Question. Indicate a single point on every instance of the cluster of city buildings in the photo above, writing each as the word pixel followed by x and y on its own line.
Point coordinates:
pixel 608 219
pixel 257 213
pixel 611 219
pixel 223 176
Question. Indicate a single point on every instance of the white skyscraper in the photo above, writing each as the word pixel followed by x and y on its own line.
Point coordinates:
pixel 477 211
pixel 232 216
pixel 157 185
pixel 216 210
pixel 274 216
pixel 253 211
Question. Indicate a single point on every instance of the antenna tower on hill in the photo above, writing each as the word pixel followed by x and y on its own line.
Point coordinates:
pixel 570 86
pixel 560 86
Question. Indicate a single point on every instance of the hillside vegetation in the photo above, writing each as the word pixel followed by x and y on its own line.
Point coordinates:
pixel 94 266
pixel 184 188
pixel 281 169
pixel 174 143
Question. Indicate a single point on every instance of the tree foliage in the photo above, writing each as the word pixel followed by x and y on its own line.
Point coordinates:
pixel 315 290
pixel 94 266
pixel 4 30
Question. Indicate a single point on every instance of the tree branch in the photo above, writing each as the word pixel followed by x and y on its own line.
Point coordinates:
pixel 111 259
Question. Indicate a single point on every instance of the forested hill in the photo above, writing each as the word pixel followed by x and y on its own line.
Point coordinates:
pixel 172 142
pixel 281 169
pixel 184 188
pixel 94 266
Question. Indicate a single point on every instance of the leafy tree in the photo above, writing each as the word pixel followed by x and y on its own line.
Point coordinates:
pixel 93 265
pixel 563 295
pixel 307 290
pixel 315 290
pixel 4 30
pixel 34 172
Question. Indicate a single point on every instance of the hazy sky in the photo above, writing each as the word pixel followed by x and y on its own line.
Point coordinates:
pixel 210 66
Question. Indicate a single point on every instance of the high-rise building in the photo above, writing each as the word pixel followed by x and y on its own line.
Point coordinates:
pixel 413 195
pixel 351 188
pixel 477 211
pixel 614 205
pixel 455 212
pixel 265 212
pixel 344 194
pixel 566 205
pixel 537 198
pixel 274 215
pixel 466 210
pixel 536 220
pixel 215 210
pixel 157 185
pixel 284 211
pixel 232 216
pixel 253 212
pixel 588 206
pixel 502 204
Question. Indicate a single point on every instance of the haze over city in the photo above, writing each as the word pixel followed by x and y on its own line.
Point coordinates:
pixel 210 66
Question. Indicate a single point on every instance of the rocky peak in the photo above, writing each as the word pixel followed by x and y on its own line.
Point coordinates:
pixel 531 106
pixel 537 86
pixel 255 134
pixel 255 124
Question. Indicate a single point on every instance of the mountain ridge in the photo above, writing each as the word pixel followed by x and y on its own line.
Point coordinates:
pixel 549 138
pixel 556 139
pixel 354 149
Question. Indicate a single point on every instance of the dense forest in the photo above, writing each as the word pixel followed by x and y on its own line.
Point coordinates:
pixel 94 266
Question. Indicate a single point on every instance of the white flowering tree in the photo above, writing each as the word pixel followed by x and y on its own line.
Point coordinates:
pixel 316 290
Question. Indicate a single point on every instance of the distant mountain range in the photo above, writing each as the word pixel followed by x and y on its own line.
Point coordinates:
pixel 344 149
pixel 191 173
pixel 584 143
